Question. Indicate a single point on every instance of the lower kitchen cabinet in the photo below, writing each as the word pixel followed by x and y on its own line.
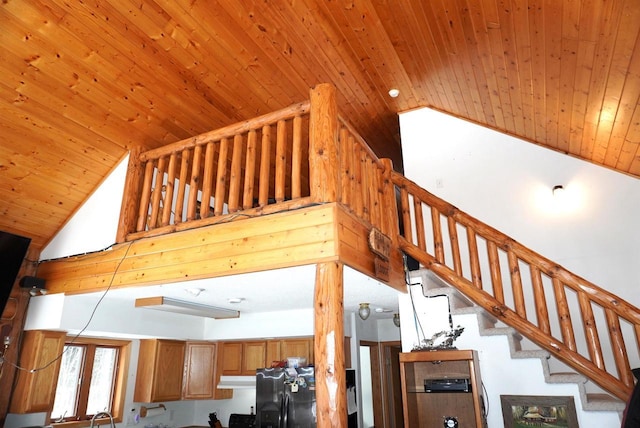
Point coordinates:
pixel 441 388
pixel 35 391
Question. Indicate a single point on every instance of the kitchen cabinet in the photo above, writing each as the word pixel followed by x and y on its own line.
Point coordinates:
pixel 441 387
pixel 160 370
pixel 199 382
pixel 297 348
pixel 231 358
pixel 253 357
pixel 35 392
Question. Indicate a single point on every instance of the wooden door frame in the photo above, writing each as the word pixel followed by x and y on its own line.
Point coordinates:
pixel 387 389
pixel 376 380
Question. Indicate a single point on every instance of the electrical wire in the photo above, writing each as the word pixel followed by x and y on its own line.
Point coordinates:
pixel 86 325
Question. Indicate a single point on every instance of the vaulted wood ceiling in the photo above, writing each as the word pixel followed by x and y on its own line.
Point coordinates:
pixel 84 81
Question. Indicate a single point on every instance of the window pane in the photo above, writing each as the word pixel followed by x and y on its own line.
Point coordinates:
pixel 68 382
pixel 102 378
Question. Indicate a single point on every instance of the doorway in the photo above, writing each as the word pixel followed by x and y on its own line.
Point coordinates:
pixel 381 386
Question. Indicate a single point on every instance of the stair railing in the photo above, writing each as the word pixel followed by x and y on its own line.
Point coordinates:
pixel 559 311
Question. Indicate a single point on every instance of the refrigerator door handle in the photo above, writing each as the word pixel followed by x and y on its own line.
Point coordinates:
pixel 285 411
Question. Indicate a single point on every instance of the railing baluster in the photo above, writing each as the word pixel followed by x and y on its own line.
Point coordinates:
pixel 618 347
pixel 420 232
pixel 406 215
pixel 265 166
pixel 438 244
pixel 591 331
pixel 156 197
pixel 359 200
pixel 516 284
pixel 143 213
pixel 182 185
pixel 221 178
pixel 474 260
pixel 236 174
pixel 168 194
pixel 194 184
pixel 494 268
pixel 250 170
pixel 564 315
pixel 207 180
pixel 365 185
pixel 281 160
pixel 542 312
pixel 296 159
pixel 455 245
pixel 344 153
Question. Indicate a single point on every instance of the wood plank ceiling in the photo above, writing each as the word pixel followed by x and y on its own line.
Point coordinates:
pixel 84 81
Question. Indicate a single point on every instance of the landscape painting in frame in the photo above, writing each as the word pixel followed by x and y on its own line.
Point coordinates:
pixel 525 411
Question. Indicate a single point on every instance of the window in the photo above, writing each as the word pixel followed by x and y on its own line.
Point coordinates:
pixel 91 380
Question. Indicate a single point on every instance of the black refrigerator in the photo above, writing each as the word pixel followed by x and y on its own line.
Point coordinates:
pixel 286 398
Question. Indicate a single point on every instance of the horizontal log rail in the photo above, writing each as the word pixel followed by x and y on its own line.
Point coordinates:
pixel 299 156
pixel 584 326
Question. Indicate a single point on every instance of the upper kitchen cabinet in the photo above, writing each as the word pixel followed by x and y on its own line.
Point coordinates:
pixel 199 371
pixel 35 390
pixel 160 370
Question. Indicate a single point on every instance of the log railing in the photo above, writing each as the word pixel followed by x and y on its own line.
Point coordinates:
pixel 295 157
pixel 584 326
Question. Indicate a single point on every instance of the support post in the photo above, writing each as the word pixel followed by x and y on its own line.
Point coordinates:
pixel 130 196
pixel 323 144
pixel 331 390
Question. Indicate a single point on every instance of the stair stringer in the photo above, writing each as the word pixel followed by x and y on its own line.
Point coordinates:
pixel 591 399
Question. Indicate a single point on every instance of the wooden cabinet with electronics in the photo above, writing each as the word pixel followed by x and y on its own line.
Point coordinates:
pixel 160 370
pixel 35 391
pixel 441 389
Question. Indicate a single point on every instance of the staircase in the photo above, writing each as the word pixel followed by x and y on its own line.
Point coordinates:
pixel 546 311
pixel 592 398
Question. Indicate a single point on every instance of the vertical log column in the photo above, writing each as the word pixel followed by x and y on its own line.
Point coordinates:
pixel 331 391
pixel 323 144
pixel 131 196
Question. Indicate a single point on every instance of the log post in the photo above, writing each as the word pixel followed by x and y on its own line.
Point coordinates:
pixel 323 144
pixel 130 197
pixel 331 390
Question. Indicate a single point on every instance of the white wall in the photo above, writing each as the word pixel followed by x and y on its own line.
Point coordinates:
pixel 507 183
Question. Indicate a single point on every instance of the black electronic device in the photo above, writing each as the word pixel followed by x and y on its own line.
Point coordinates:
pixel 447 385
pixel 13 249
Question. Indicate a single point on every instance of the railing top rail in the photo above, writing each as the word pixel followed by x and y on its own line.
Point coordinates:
pixel 599 295
pixel 361 141
pixel 228 131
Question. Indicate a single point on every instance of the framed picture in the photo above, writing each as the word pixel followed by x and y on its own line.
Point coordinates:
pixel 525 411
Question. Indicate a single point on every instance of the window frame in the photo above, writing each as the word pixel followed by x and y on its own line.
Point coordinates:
pixel 120 381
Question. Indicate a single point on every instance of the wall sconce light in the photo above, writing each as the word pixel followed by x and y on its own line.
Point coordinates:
pixel 364 311
pixel 35 285
pixel 396 320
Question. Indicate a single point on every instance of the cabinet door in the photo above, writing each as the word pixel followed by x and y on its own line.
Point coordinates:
pixel 199 371
pixel 35 392
pixel 273 353
pixel 297 348
pixel 160 371
pixel 231 358
pixel 253 356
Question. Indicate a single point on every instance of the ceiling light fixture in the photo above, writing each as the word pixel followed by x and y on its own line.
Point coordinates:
pixel 235 300
pixel 364 311
pixel 194 291
pixel 393 92
pixel 557 190
pixel 396 320
pixel 183 307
